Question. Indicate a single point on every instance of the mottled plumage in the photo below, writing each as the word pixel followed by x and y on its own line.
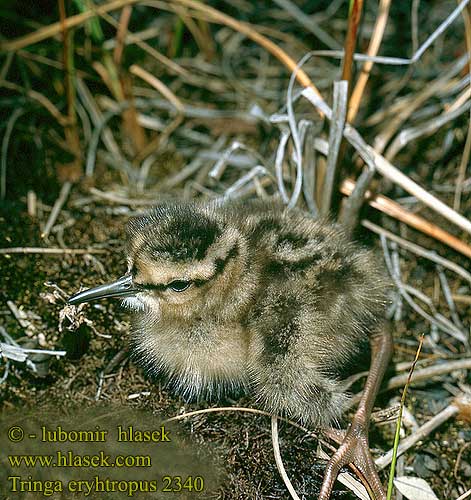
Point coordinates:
pixel 257 298
pixel 271 302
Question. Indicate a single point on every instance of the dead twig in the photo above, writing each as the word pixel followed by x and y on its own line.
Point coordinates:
pixel 356 6
pixel 385 168
pixel 55 28
pixel 339 110
pixel 418 250
pixel 423 431
pixel 215 16
pixel 420 375
pixel 64 193
pixel 158 85
pixel 51 251
pixel 40 98
pixel 464 163
pixel 278 459
pixel 429 372
pixel 466 494
pixel 393 209
pixel 375 42
pixel 121 34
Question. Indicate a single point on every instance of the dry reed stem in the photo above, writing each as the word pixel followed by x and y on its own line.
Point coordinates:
pixel 121 34
pixel 465 495
pixel 467 146
pixel 394 209
pixel 105 76
pixel 418 250
pixel 465 299
pixel 356 6
pixel 55 28
pixel 423 374
pixel 375 42
pixel 64 193
pixel 51 251
pixel 215 15
pixel 387 169
pixel 158 85
pixel 383 166
pixel 408 106
pixel 133 38
pixel 282 56
pixel 278 459
pixel 423 431
pixel 40 98
pixel 429 372
pixel 70 129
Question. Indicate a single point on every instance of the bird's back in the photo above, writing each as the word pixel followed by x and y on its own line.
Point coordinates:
pixel 318 298
pixel 278 303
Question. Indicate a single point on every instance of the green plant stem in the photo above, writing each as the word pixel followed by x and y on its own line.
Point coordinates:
pixel 399 421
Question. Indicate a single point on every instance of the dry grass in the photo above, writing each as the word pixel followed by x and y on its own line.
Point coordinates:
pixel 110 109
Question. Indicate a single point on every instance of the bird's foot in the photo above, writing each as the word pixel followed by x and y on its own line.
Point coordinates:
pixel 354 450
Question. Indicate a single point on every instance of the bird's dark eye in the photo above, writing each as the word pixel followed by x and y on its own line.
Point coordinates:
pixel 179 285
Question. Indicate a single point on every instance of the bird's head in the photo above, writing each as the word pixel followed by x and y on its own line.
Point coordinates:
pixel 184 260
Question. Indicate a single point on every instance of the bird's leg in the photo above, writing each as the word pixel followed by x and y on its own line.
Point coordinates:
pixel 355 448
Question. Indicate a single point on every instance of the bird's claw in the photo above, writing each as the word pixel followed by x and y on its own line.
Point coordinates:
pixel 354 450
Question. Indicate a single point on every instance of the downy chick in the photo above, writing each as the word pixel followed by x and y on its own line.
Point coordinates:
pixel 254 297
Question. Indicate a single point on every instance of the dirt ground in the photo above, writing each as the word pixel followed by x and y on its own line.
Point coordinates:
pixel 232 450
pixel 95 386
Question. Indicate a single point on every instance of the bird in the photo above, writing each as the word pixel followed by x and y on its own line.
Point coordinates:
pixel 252 296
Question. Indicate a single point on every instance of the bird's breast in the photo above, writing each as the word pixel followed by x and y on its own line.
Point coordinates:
pixel 197 355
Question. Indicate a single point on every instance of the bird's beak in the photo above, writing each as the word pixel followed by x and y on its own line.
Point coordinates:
pixel 122 287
